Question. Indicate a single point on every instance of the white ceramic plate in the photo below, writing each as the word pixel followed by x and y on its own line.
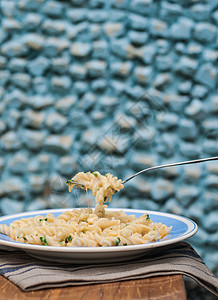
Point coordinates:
pixel 182 228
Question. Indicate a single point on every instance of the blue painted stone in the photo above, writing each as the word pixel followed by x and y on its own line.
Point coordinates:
pixel 210 147
pixel 17 64
pixel 97 3
pixel 186 194
pixel 14 48
pixel 100 50
pixel 3 62
pixel 120 48
pixel 59 144
pixel 53 9
pixel 164 62
pixel 189 150
pixel 80 49
pixel 210 127
pixel 38 66
pixel 158 28
pixel 170 11
pixel 182 29
pixel 166 145
pixel 99 85
pixel 96 68
pixel 172 206
pixel 98 117
pixel 56 122
pixel 9 206
pixel 28 5
pixel 163 46
pixel 37 183
pixel 10 141
pixel 77 14
pixel 32 21
pixel 195 110
pixel 188 129
pixel 55 46
pixel 215 17
pixel 18 163
pixel 207 74
pixel 135 91
pixel 8 8
pixel 161 190
pixel 34 41
pixel 61 83
pixel 185 87
pixel 121 69
pixel 79 120
pixel 145 7
pixel 120 4
pixel 162 80
pixel 39 164
pixel 4 77
pixel 33 139
pixel 15 99
pixel 12 119
pixel 40 102
pixel 166 121
pixel 38 204
pixel 200 12
pixel 33 119
pixel 176 102
pixel 194 49
pixel 199 91
pixel 147 54
pixel 78 71
pixel 65 104
pixel 113 30
pixel 211 222
pixel 55 27
pixel 117 86
pixel 21 80
pixel 137 22
pixel 180 48
pixel 68 165
pixel 3 35
pixel 40 85
pixel 11 25
pixel 205 32
pixel 60 65
pixel 211 181
pixel 80 87
pixel 138 38
pixel 3 127
pixel 210 55
pixel 214 104
pixel 16 190
pixel 186 66
pixel 97 15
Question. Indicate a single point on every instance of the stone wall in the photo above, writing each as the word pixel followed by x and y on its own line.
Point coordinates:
pixel 71 77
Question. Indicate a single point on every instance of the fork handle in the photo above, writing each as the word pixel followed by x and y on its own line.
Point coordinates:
pixel 172 165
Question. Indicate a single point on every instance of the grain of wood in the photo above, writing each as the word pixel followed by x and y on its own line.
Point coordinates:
pixel 163 287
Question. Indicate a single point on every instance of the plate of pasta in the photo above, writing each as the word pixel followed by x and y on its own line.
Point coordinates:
pixel 81 236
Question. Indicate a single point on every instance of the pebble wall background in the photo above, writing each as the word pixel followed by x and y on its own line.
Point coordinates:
pixel 71 74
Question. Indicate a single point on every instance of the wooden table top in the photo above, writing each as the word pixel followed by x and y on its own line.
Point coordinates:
pixel 163 287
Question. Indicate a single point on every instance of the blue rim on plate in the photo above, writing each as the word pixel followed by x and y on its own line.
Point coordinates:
pixel 182 228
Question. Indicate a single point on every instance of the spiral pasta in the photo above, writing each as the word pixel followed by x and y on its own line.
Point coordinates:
pixel 84 228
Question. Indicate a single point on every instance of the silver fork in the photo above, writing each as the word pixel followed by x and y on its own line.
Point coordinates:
pixel 155 168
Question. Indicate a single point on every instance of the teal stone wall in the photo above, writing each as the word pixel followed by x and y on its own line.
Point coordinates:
pixel 71 77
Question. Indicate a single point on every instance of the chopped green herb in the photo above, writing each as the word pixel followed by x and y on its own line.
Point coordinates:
pixel 43 219
pixel 25 239
pixel 148 218
pixel 125 244
pixel 83 231
pixel 81 221
pixel 115 192
pixel 117 242
pixel 69 239
pixel 13 227
pixel 68 181
pixel 99 189
pixel 95 174
pixel 43 240
pixel 107 174
pixel 105 199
